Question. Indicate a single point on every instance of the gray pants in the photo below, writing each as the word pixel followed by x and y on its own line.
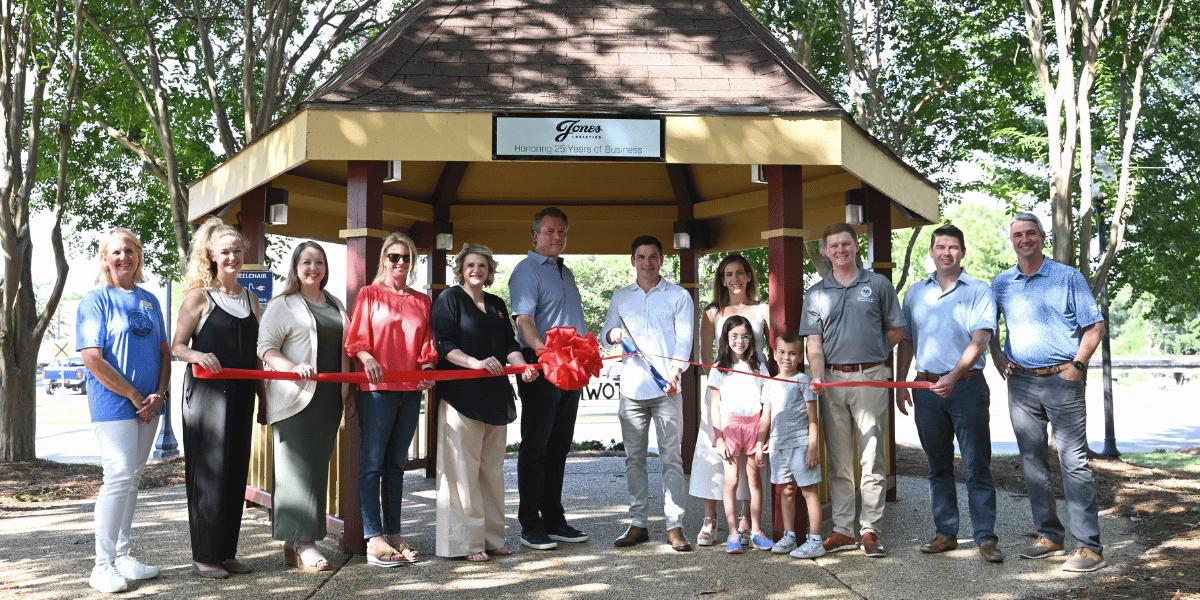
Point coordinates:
pixel 667 414
pixel 1033 402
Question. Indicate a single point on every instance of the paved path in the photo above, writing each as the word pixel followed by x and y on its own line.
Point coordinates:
pixel 47 553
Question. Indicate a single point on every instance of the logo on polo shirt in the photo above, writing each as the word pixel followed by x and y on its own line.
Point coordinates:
pixel 864 294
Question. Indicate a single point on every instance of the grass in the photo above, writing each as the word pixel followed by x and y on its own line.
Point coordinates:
pixel 1163 459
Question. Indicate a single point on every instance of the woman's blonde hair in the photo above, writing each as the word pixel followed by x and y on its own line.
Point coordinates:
pixel 388 242
pixel 481 250
pixel 104 276
pixel 201 269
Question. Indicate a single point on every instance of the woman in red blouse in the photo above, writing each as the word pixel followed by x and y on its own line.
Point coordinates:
pixel 389 331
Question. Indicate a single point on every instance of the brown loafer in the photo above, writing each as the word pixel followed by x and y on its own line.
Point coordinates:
pixel 990 553
pixel 940 543
pixel 633 536
pixel 678 542
pixel 837 542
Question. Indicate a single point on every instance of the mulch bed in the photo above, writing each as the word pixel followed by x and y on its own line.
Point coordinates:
pixel 1163 505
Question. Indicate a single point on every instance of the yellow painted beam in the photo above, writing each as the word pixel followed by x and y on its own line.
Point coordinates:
pixel 267 157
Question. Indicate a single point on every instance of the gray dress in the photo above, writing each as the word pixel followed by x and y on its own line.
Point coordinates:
pixel 304 442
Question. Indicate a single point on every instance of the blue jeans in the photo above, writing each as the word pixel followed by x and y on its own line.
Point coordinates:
pixel 1033 402
pixel 963 415
pixel 387 421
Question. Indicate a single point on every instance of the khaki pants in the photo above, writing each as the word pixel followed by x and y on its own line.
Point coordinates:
pixel 850 415
pixel 470 485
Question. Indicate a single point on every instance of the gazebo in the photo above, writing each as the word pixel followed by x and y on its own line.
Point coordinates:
pixel 682 119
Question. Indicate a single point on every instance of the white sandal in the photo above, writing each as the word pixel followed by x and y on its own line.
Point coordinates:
pixel 705 537
pixel 306 557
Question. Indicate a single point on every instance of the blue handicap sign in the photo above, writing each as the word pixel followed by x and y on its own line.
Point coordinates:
pixel 259 282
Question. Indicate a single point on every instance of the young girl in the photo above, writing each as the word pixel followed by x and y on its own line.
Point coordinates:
pixel 737 407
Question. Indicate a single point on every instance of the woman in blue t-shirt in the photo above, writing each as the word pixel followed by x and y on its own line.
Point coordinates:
pixel 119 331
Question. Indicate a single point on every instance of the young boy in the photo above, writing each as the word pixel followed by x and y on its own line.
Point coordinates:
pixel 793 445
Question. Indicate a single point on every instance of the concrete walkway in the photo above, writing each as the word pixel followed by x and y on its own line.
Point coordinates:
pixel 48 553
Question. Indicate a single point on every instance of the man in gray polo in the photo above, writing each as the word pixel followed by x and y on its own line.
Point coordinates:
pixel 1054 327
pixel 660 317
pixel 544 296
pixel 852 319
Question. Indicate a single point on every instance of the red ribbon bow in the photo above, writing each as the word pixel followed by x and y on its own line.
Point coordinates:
pixel 568 360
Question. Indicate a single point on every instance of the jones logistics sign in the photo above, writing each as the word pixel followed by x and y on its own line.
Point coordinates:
pixel 577 137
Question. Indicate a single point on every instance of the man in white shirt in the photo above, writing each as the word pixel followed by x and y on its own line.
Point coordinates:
pixel 660 317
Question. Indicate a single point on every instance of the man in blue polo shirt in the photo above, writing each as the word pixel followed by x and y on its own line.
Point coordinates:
pixel 544 296
pixel 949 319
pixel 1053 327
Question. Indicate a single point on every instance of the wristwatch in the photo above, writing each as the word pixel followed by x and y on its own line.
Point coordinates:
pixel 1078 365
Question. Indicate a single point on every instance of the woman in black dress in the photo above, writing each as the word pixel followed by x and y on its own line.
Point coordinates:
pixel 217 327
pixel 472 330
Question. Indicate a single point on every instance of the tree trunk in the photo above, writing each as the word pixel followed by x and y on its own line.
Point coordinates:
pixel 18 371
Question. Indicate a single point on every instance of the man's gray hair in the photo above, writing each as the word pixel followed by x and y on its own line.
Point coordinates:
pixel 552 211
pixel 1030 218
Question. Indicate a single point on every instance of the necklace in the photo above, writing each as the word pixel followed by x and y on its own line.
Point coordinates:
pixel 319 300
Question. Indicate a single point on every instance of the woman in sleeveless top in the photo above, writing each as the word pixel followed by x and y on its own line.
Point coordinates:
pixel 217 328
pixel 735 292
pixel 389 331
pixel 302 331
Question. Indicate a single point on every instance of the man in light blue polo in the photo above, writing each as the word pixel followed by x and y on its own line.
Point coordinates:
pixel 544 296
pixel 1054 327
pixel 949 319
pixel 660 317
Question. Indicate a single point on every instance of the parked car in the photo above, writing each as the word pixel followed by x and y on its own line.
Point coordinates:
pixel 69 374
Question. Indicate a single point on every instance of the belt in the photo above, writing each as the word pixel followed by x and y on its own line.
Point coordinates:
pixel 852 368
pixel 934 376
pixel 1043 371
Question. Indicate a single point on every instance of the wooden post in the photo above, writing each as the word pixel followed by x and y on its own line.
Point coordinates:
pixel 785 245
pixel 879 251
pixel 689 274
pixel 252 223
pixel 364 240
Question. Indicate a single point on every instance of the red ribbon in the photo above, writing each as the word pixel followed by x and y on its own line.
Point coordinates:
pixel 568 361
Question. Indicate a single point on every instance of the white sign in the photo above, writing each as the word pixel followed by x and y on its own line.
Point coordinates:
pixel 575 137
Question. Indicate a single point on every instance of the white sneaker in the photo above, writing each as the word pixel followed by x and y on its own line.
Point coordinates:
pixel 105 578
pixel 132 568
pixel 785 544
pixel 811 548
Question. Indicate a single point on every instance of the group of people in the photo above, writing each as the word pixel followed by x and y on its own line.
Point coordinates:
pixel 852 319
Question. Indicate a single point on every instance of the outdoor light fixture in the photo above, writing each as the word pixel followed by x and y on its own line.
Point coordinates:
pixel 443 241
pixel 856 206
pixel 393 172
pixel 683 239
pixel 277 206
pixel 690 235
pixel 757 175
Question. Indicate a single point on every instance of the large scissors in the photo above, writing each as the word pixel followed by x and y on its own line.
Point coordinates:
pixel 631 347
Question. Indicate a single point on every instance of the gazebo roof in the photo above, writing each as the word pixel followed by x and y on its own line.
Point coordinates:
pixel 618 56
pixel 427 92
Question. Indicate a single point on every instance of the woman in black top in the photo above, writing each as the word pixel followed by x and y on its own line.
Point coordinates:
pixel 472 330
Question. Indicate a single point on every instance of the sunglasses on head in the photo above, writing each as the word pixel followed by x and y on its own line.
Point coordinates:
pixel 395 258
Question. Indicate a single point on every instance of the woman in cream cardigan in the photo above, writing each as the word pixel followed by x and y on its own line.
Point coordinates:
pixel 302 331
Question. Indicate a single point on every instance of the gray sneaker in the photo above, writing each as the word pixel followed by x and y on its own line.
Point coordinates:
pixel 785 544
pixel 1042 548
pixel 1084 561
pixel 811 548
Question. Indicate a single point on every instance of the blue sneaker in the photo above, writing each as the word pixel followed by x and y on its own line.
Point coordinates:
pixel 733 544
pixel 761 542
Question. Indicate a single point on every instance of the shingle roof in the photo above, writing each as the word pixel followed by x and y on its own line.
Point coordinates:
pixel 610 55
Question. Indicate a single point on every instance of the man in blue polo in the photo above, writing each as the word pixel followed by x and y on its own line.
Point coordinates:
pixel 1053 327
pixel 544 296
pixel 949 319
pixel 660 317
pixel 852 319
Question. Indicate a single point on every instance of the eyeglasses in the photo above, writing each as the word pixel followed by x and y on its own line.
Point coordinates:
pixel 395 258
pixel 733 337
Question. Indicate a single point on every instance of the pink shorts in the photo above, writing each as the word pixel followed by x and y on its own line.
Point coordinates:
pixel 740 433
